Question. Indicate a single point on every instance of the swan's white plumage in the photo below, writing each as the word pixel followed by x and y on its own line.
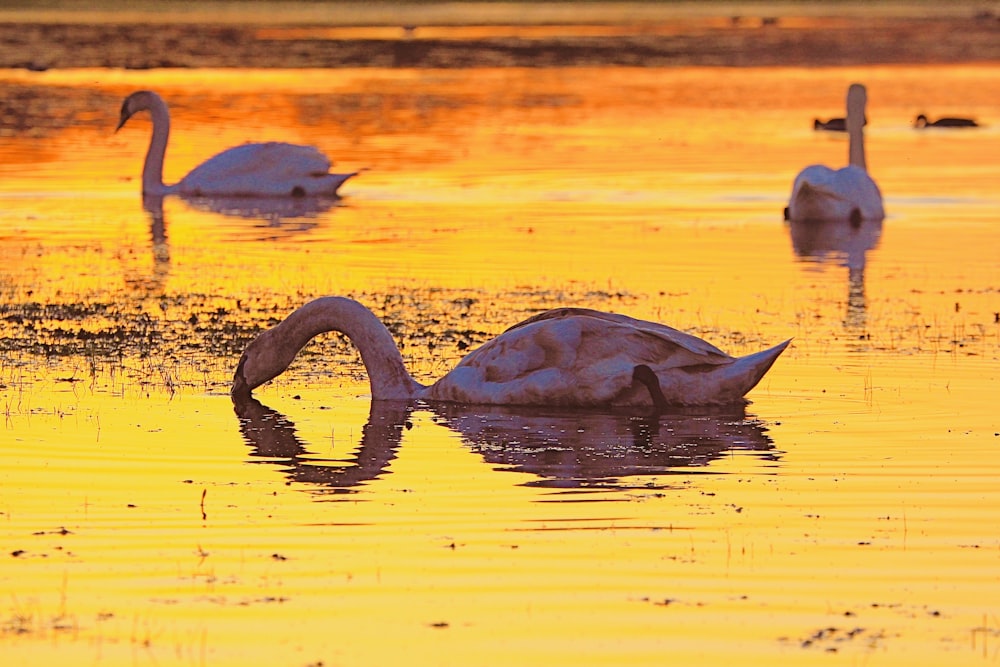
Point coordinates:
pixel 272 169
pixel 823 194
pixel 568 357
pixel 575 356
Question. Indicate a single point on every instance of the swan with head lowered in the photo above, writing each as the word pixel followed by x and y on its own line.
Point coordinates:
pixel 568 357
pixel 271 169
pixel 823 194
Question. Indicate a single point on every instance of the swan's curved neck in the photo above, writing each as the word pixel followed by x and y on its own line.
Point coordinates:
pixel 856 99
pixel 152 169
pixel 274 349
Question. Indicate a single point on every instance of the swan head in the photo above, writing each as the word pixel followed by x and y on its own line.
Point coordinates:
pixel 857 99
pixel 141 100
pixel 263 359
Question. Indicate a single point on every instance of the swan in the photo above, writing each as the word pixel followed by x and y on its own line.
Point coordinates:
pixel 822 193
pixel 922 121
pixel 271 169
pixel 568 357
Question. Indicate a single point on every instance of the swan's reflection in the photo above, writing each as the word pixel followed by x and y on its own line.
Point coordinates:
pixel 277 214
pixel 153 205
pixel 561 449
pixel 272 436
pixel 584 449
pixel 847 244
pixel 274 211
pixel 145 280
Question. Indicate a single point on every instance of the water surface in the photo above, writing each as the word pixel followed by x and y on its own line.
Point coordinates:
pixel 848 515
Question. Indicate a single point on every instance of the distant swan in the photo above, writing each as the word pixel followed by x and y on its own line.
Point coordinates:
pixel 922 121
pixel 569 357
pixel 270 169
pixel 822 193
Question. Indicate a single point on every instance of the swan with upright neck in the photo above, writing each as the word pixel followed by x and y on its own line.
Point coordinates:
pixel 568 357
pixel 823 194
pixel 272 169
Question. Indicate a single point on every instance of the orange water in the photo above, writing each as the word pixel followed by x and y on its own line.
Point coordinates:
pixel 848 517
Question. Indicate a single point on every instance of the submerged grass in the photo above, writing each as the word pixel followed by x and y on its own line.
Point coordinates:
pixel 167 343
pixel 126 343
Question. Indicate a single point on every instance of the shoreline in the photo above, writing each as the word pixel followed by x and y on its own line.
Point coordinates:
pixel 467 35
pixel 843 42
pixel 468 12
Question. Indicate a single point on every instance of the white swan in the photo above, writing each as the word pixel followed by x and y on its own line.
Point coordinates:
pixel 270 169
pixel 822 193
pixel 569 357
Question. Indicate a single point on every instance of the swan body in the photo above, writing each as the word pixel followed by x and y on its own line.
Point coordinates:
pixel 922 121
pixel 823 194
pixel 272 169
pixel 569 357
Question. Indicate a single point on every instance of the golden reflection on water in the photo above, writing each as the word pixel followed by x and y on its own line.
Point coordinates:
pixel 847 516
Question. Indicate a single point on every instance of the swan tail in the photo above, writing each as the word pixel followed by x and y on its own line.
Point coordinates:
pixel 325 185
pixel 749 370
pixel 716 384
pixel 336 180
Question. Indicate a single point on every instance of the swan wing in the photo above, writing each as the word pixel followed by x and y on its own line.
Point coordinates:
pixel 263 169
pixel 573 357
pixel 601 320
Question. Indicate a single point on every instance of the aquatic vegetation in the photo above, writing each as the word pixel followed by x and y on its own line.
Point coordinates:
pixel 202 532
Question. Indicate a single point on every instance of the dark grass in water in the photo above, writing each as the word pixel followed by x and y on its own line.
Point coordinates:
pixel 210 331
pixel 199 335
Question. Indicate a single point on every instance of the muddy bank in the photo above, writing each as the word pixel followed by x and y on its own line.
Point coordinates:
pixel 723 41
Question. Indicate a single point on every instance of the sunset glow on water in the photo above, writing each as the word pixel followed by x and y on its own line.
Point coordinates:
pixel 847 516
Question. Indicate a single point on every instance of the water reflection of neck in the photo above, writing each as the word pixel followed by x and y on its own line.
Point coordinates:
pixel 271 435
pixel 153 204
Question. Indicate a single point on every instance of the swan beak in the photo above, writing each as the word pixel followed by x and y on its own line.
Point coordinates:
pixel 124 115
pixel 240 390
